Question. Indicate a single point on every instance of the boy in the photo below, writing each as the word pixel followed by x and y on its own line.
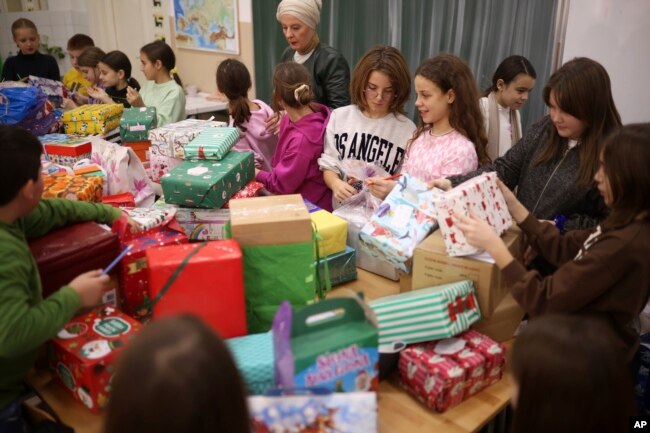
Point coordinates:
pixel 26 319
pixel 74 79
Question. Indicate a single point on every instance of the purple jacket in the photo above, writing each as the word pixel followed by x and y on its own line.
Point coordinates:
pixel 295 162
pixel 256 138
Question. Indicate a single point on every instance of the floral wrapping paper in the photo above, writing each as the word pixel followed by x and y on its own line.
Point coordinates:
pixel 82 188
pixel 136 122
pixel 92 119
pixel 171 139
pixel 479 196
pixel 403 219
pixel 212 143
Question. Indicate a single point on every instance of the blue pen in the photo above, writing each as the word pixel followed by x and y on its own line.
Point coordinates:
pixel 117 260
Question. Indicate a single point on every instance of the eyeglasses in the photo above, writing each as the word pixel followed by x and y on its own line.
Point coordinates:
pixel 373 93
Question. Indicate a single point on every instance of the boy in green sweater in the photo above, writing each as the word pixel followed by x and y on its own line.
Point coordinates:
pixel 26 319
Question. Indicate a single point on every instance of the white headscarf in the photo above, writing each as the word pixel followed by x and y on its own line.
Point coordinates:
pixel 307 11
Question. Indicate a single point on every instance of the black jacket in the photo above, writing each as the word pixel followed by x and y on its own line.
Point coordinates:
pixel 21 66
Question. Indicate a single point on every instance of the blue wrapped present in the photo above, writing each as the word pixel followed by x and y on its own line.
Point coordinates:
pixel 342 266
pixel 254 358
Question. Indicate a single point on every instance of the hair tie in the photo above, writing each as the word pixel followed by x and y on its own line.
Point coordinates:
pixel 299 89
pixel 173 71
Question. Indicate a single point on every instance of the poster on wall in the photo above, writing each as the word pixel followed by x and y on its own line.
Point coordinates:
pixel 210 25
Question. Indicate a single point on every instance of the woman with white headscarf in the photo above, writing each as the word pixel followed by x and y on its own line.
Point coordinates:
pixel 330 72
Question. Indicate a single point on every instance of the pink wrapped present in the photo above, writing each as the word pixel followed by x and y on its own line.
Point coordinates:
pixel 479 196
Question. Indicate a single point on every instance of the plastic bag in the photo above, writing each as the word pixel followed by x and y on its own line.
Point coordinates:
pixel 359 208
pixel 17 102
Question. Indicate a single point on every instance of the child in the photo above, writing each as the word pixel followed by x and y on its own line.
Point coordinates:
pixel 603 271
pixel 374 129
pixel 172 357
pixel 163 90
pixel 87 62
pixel 115 76
pixel 569 378
pixel 28 61
pixel 234 81
pixel 26 319
pixel 300 142
pixel 553 165
pixel 451 138
pixel 74 79
pixel 511 83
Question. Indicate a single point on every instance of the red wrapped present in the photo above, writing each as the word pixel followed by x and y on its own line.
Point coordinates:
pixel 252 189
pixel 84 352
pixel 204 279
pixel 125 199
pixel 493 352
pixel 474 365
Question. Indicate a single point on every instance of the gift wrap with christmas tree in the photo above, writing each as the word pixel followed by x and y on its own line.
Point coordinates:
pixel 442 373
pixel 67 152
pixel 172 138
pixel 404 218
pixel 75 187
pixel 212 143
pixel 208 184
pixel 427 314
pixel 341 267
pixel 275 234
pixel 92 119
pixel 333 230
pixel 83 354
pixel 200 224
pixel 253 355
pixel 203 279
pixel 136 122
pixel 330 344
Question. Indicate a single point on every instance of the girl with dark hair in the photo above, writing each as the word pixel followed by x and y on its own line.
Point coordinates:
pixel 294 167
pixel 512 82
pixel 163 89
pixel 602 272
pixel 553 165
pixel 450 139
pixel 115 75
pixel 234 81
pixel 186 381
pixel 569 378
pixel 28 61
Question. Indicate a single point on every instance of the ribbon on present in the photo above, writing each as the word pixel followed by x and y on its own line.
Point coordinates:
pixel 461 305
pixel 317 238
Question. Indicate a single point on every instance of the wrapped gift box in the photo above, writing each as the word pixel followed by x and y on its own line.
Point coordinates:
pixel 92 119
pixel 83 354
pixel 53 89
pixel 480 197
pixel 208 184
pixel 136 122
pixel 335 413
pixel 252 189
pixel 365 260
pixel 210 284
pixel 160 164
pixel 150 218
pixel 253 355
pixel 82 188
pixel 341 267
pixel 432 266
pixel 427 314
pixel 212 143
pixel 404 218
pixel 171 139
pixel 333 229
pixel 136 296
pixel 200 224
pixel 493 352
pixel 69 152
pixel 141 149
pixel 125 199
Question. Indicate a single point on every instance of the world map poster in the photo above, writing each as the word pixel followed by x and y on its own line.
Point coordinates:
pixel 210 25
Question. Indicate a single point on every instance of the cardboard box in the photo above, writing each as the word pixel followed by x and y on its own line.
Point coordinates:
pixel 432 267
pixel 504 321
pixel 271 220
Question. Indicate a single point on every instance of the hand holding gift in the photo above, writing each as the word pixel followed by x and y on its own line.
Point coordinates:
pixel 90 286
pixel 477 232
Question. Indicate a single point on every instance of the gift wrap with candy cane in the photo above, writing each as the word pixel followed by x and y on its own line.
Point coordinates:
pixel 480 197
pixel 82 188
pixel 212 143
pixel 404 218
pixel 92 119
pixel 83 354
pixel 172 138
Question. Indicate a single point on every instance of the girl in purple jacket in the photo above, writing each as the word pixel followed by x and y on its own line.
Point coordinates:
pixel 294 167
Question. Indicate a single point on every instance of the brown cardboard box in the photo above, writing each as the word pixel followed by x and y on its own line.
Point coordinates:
pixel 504 321
pixel 432 267
pixel 270 220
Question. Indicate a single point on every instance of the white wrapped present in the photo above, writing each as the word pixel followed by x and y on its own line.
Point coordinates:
pixel 171 139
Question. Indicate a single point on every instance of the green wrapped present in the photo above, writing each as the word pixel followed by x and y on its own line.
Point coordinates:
pixel 208 184
pixel 213 143
pixel 342 266
pixel 253 355
pixel 136 122
pixel 426 314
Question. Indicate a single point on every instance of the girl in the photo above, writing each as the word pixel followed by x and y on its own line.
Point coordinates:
pixel 450 139
pixel 604 271
pixel 169 358
pixel 380 87
pixel 234 81
pixel 115 76
pixel 28 61
pixel 553 165
pixel 87 61
pixel 164 89
pixel 300 142
pixel 511 84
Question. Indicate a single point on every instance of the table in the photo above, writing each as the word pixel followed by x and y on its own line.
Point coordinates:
pixel 398 412
pixel 200 103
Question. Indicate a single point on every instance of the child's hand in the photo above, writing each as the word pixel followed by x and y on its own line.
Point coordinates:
pixel 133 224
pixel 90 286
pixel 79 99
pixel 99 93
pixel 134 98
pixel 343 190
pixel 273 123
pixel 380 187
pixel 68 104
pixel 442 183
pixel 477 232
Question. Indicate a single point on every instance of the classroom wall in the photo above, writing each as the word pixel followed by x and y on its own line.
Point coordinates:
pixel 616 34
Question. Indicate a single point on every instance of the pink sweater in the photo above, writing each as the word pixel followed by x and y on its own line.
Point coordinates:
pixel 256 138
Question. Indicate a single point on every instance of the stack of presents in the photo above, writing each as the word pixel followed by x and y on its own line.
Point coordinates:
pixel 256 268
